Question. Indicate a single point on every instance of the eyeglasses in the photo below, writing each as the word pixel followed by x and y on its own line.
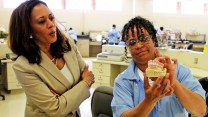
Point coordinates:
pixel 142 38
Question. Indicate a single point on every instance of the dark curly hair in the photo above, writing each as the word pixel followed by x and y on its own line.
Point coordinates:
pixel 20 30
pixel 139 22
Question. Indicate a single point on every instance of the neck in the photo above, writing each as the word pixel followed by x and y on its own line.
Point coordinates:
pixel 46 50
pixel 44 47
pixel 142 67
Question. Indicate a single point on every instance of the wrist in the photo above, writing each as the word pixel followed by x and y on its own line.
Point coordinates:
pixel 89 85
pixel 150 101
pixel 175 84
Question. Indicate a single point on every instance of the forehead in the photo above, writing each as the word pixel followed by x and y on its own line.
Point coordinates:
pixel 135 31
pixel 40 10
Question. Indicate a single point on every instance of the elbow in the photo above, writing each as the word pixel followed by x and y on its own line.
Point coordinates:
pixel 202 111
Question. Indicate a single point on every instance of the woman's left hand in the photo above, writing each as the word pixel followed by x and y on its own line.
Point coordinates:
pixel 88 76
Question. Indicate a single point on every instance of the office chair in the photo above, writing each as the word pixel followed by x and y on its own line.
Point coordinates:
pixel 101 102
pixel 1 95
pixel 190 46
pixel 204 82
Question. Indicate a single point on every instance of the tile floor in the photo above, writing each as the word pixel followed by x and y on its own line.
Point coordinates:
pixel 14 104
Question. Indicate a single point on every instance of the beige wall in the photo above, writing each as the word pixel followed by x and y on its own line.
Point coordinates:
pixel 84 21
pixel 183 22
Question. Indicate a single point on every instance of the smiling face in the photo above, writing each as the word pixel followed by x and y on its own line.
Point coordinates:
pixel 141 46
pixel 43 25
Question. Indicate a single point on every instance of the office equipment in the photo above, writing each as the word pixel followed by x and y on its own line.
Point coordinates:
pixel 101 102
pixel 112 53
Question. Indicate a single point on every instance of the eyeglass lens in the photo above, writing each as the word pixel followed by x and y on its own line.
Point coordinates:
pixel 141 38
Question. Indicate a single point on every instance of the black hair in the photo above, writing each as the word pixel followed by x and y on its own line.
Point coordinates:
pixel 139 22
pixel 113 25
pixel 161 28
pixel 20 32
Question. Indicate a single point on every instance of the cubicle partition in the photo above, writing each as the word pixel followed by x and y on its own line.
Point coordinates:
pixel 88 45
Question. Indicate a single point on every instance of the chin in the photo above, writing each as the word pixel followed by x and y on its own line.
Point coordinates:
pixel 54 39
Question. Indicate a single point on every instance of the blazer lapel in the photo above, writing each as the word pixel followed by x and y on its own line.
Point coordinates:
pixel 73 65
pixel 53 70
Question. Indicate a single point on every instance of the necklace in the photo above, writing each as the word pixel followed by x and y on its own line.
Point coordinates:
pixel 54 60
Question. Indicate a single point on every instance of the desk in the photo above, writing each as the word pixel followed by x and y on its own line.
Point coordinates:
pixel 196 46
pixel 105 72
pixel 8 75
pixel 196 37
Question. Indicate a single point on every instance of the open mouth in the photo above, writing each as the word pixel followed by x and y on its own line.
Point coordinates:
pixel 53 33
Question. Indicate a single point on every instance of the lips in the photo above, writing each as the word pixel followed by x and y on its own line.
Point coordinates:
pixel 141 53
pixel 52 33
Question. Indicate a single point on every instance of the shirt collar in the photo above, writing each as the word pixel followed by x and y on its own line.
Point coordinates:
pixel 132 71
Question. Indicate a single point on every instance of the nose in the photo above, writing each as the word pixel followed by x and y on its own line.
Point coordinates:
pixel 51 24
pixel 139 45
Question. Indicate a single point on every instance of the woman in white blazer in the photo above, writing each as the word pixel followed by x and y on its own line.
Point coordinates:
pixel 50 69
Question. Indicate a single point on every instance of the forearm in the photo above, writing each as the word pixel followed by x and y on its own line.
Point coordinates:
pixel 193 102
pixel 141 110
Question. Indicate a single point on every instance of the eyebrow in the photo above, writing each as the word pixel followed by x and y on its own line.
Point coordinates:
pixel 41 17
pixel 51 14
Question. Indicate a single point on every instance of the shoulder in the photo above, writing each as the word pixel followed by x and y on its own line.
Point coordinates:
pixel 182 69
pixel 70 40
pixel 22 64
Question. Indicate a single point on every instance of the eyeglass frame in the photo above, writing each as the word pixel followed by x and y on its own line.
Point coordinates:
pixel 141 38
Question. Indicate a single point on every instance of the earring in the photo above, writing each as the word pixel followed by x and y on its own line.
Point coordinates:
pixel 31 36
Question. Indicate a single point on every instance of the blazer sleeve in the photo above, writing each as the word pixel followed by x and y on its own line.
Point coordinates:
pixel 39 96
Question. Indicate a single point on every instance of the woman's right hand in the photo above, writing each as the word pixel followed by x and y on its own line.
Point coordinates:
pixel 88 76
pixel 159 89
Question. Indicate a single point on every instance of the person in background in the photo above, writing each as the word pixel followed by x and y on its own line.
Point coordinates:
pixel 73 35
pixel 172 95
pixel 160 31
pixel 51 71
pixel 113 36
